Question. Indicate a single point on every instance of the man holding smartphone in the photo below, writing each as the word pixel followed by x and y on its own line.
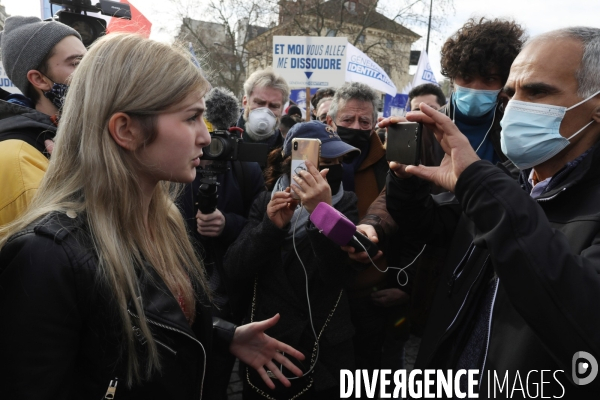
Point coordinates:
pixel 490 46
pixel 521 283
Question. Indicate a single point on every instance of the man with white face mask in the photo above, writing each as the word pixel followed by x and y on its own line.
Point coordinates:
pixel 265 93
pixel 521 282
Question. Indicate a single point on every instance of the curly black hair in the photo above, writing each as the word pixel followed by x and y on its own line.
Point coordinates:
pixel 481 48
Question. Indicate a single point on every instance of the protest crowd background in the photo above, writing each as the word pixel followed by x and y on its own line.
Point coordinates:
pixel 285 191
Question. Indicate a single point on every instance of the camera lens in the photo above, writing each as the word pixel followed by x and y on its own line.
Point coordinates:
pixel 216 147
pixel 295 145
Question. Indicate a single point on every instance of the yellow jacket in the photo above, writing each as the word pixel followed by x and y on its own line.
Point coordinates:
pixel 21 170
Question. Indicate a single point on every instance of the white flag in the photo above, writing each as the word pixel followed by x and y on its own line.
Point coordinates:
pixel 424 72
pixel 360 68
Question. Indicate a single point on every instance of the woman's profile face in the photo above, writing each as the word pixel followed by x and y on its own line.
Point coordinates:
pixel 175 153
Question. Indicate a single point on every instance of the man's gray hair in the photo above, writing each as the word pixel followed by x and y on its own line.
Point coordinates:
pixel 267 78
pixel 588 74
pixel 353 91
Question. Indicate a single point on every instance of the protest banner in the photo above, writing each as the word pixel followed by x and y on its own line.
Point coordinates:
pixel 5 83
pixel 361 68
pixel 310 61
pixel 424 72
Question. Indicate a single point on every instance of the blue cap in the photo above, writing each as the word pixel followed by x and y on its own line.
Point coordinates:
pixel 331 144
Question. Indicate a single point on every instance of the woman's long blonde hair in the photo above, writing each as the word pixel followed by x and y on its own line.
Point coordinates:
pixel 92 175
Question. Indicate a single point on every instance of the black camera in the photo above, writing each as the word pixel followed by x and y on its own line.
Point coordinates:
pixel 229 146
pixel 90 28
pixel 225 146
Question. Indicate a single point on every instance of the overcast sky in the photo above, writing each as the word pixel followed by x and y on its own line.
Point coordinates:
pixel 537 16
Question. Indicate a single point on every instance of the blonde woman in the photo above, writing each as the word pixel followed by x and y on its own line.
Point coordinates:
pixel 101 294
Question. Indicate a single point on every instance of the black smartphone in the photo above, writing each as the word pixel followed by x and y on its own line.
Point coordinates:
pixel 403 144
pixel 362 243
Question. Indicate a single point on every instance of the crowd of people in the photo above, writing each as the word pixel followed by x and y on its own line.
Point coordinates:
pixel 113 284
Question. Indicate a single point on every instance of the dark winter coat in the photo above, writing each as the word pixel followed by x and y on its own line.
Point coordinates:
pixel 24 123
pixel 236 191
pixel 280 286
pixel 545 254
pixel 61 335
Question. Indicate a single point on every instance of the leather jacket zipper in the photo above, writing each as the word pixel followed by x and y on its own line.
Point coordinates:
pixel 183 333
pixel 165 347
pixel 489 335
pixel 112 389
pixel 543 199
pixel 459 268
pixel 138 334
pixel 467 295
pixel 463 303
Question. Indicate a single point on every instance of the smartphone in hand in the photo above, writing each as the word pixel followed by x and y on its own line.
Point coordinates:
pixel 303 150
pixel 404 143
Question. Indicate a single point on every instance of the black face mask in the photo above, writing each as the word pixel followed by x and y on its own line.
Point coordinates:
pixel 57 94
pixel 358 138
pixel 334 176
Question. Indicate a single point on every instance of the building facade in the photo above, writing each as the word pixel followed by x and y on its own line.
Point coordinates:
pixel 384 40
pixel 3 17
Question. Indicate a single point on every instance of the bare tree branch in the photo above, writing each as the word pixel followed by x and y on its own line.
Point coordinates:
pixel 239 35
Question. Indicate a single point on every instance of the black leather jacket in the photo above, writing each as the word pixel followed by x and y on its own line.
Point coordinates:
pixel 546 256
pixel 61 336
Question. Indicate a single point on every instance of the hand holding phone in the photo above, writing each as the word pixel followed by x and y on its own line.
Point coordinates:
pixel 404 143
pixel 303 150
pixel 312 187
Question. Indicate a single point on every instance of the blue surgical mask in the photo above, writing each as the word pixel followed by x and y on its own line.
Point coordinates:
pixel 530 132
pixel 474 102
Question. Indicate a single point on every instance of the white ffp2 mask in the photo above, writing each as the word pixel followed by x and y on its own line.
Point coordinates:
pixel 261 124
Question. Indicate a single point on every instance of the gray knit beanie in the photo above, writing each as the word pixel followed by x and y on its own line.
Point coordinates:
pixel 25 42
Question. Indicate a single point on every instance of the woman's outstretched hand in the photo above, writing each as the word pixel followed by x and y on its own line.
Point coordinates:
pixel 258 350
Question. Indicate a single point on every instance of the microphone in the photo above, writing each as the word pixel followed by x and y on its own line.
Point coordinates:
pixel 222 109
pixel 340 229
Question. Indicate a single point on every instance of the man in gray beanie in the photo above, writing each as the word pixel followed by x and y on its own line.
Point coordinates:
pixel 39 57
